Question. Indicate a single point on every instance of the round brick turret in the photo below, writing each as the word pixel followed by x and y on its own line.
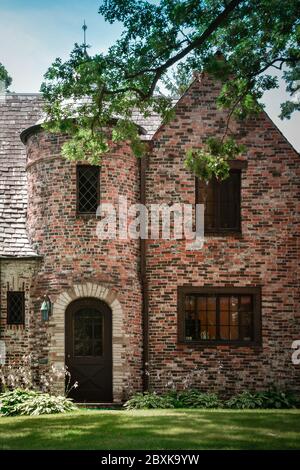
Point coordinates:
pixel 73 256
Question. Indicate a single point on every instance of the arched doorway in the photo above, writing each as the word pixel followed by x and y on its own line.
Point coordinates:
pixel 88 349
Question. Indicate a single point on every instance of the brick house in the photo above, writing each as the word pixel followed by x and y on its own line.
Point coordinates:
pixel 222 318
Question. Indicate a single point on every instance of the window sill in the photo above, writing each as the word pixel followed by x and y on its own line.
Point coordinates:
pixel 14 326
pixel 222 234
pixel 87 215
pixel 214 344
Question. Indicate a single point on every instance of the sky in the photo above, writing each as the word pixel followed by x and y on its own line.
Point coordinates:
pixel 34 32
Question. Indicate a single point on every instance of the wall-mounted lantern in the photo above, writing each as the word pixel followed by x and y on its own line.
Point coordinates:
pixel 46 308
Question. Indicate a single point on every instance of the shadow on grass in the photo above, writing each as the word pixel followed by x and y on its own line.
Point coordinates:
pixel 154 430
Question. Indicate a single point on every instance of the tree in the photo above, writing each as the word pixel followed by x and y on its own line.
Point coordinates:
pixel 88 94
pixel 4 77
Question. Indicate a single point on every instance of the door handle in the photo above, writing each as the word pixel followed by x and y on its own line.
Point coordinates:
pixel 68 356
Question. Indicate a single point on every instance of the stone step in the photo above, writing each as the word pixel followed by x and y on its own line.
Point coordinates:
pixel 110 406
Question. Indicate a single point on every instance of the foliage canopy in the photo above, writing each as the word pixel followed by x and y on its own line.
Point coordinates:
pixel 161 44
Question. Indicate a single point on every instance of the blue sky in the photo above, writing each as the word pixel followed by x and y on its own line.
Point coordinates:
pixel 34 32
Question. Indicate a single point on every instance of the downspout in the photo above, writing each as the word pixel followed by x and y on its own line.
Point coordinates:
pixel 0 289
pixel 144 281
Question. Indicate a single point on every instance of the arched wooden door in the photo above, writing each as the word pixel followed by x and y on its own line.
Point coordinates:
pixel 88 350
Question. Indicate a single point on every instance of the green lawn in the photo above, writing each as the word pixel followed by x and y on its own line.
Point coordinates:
pixel 159 429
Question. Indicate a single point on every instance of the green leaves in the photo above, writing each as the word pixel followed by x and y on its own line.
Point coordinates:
pixel 162 42
pixel 126 130
pixel 272 398
pixel 212 160
pixel 86 145
pixel 193 398
pixel 292 77
pixel 4 77
pixel 27 402
pixel 148 401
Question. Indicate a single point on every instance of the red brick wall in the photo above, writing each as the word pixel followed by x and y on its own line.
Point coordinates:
pixel 72 252
pixel 266 254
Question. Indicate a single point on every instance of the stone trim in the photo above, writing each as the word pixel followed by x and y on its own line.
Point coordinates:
pixel 57 324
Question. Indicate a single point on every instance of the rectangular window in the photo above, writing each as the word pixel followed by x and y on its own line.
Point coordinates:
pixel 15 308
pixel 219 315
pixel 222 201
pixel 88 189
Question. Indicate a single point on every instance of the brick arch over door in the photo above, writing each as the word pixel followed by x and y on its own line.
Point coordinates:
pixel 57 324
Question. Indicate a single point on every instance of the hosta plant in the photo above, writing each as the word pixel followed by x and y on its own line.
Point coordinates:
pixel 147 401
pixel 26 402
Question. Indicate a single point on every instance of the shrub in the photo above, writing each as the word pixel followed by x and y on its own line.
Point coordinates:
pixel 185 399
pixel 278 399
pixel 245 400
pixel 11 400
pixel 44 403
pixel 270 399
pixel 25 402
pixel 195 399
pixel 148 401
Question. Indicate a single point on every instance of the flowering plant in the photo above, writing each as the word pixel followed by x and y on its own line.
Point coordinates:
pixel 26 376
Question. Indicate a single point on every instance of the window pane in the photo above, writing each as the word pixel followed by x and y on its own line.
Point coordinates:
pixel 203 317
pixel 211 303
pixel 224 332
pixel 190 303
pixel 222 317
pixel 222 202
pixel 208 197
pixel 211 332
pixel 202 303
pixel 15 307
pixel 191 326
pixel 247 328
pixel 234 333
pixel 224 303
pixel 224 310
pixel 230 201
pixel 211 318
pixel 234 314
pixel 208 332
pixel 246 302
pixel 88 184
pixel 98 348
pixel 88 333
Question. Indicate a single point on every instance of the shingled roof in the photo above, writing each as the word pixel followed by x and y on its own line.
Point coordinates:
pixel 17 113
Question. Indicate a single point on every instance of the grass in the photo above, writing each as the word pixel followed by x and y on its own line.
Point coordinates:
pixel 154 430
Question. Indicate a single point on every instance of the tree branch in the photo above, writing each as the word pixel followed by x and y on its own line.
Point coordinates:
pixel 194 44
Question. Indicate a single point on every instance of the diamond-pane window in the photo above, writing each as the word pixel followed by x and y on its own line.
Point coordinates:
pixel 15 307
pixel 87 189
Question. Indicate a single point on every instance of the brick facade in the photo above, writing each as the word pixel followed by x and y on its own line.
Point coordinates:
pixel 265 254
pixel 72 262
